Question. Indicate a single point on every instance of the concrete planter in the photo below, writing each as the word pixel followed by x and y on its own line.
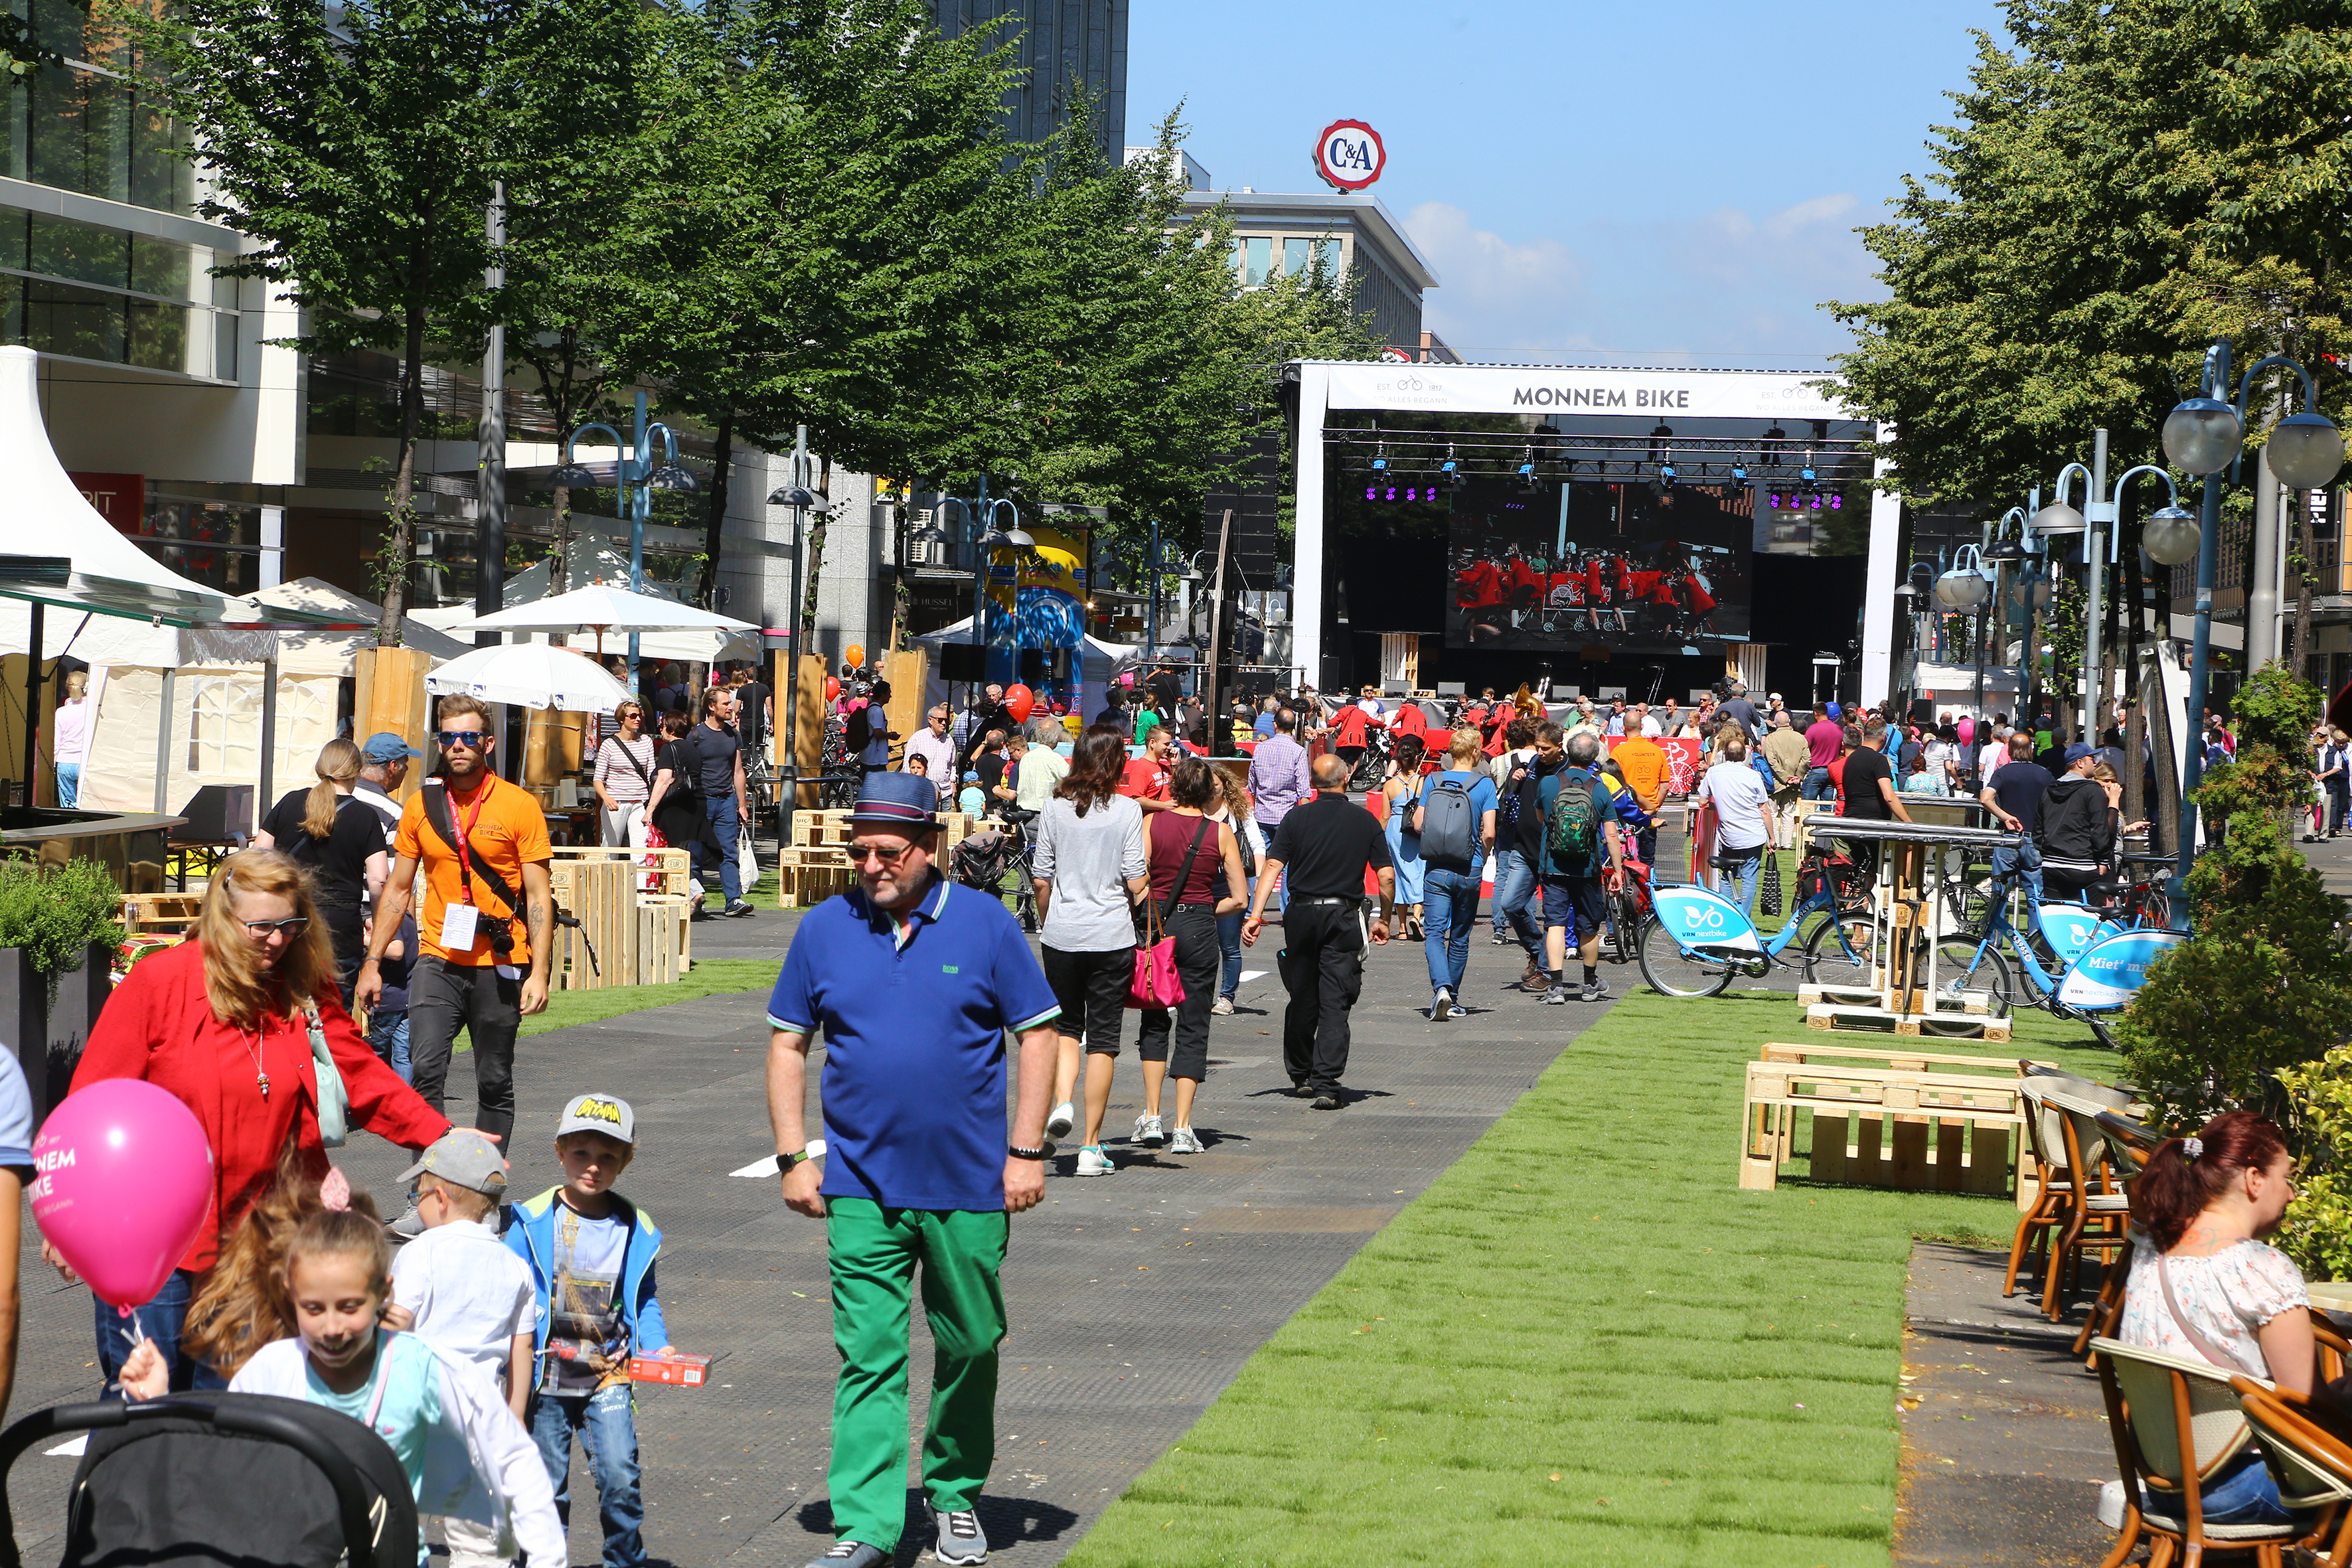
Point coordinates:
pixel 48 1038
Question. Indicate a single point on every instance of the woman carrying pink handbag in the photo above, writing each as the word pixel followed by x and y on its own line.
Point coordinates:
pixel 1187 851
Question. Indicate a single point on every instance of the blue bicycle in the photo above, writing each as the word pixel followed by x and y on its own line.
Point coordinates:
pixel 1697 942
pixel 2097 963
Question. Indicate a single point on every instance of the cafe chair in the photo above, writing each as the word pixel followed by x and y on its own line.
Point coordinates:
pixel 2128 1146
pixel 2098 1215
pixel 2053 1201
pixel 2176 1422
pixel 2310 1459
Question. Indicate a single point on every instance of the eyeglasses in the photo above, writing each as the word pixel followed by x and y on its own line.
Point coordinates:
pixel 470 738
pixel 292 925
pixel 858 854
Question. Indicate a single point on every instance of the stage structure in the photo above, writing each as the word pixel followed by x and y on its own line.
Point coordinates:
pixel 1596 523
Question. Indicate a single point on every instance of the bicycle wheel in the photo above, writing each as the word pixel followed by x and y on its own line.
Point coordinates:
pixel 1838 952
pixel 1960 968
pixel 1674 973
pixel 1624 928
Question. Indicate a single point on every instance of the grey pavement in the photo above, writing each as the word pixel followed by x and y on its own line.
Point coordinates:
pixel 2005 1450
pixel 1133 1299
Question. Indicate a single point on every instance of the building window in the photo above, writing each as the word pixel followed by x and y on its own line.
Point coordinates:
pixel 98 293
pixel 94 127
pixel 1294 257
pixel 1254 258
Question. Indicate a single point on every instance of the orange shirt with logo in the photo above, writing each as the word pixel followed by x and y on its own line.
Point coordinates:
pixel 509 834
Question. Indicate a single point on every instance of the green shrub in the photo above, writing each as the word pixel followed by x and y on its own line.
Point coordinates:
pixel 55 914
pixel 2318 1230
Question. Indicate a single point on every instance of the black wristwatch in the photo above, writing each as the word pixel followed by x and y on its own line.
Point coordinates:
pixel 1020 1153
pixel 784 1162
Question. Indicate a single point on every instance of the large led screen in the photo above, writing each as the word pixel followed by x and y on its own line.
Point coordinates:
pixel 1634 566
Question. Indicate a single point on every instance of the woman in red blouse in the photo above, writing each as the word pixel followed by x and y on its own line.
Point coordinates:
pixel 224 1022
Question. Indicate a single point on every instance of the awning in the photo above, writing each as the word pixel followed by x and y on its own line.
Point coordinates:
pixel 51 580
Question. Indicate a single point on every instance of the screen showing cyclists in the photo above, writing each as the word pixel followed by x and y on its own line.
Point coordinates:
pixel 1636 566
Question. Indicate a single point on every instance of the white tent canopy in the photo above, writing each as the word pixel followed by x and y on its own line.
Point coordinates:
pixel 1099 664
pixel 530 675
pixel 588 562
pixel 330 653
pixel 604 607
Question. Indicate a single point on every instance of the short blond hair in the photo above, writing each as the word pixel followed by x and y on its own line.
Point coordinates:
pixel 1465 747
pixel 468 1202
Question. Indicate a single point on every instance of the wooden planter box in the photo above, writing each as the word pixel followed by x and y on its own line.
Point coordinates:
pixel 48 1039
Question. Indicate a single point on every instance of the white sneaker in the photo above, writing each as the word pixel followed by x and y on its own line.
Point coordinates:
pixel 1182 1141
pixel 1064 1117
pixel 1222 1006
pixel 1147 1132
pixel 1443 1008
pixel 1094 1162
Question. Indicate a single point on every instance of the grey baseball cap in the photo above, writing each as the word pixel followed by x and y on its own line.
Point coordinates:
pixel 463 1158
pixel 604 1113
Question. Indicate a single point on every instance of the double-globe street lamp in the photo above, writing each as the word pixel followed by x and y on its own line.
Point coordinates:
pixel 2058 520
pixel 2202 436
pixel 637 476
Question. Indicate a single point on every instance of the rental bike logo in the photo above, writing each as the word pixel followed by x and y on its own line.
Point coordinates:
pixel 1696 917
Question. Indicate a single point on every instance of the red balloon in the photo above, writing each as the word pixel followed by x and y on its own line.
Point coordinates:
pixel 1018 700
pixel 832 687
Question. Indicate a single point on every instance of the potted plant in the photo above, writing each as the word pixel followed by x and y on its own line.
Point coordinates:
pixel 59 927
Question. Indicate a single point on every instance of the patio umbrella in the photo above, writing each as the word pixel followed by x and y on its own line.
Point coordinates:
pixel 530 675
pixel 601 608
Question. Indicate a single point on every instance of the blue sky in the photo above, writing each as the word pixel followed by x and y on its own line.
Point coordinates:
pixel 1645 183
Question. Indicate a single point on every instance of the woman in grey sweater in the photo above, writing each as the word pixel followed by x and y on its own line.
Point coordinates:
pixel 1090 869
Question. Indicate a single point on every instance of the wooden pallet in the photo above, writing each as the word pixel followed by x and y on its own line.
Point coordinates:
pixel 665 939
pixel 817 829
pixel 662 871
pixel 1902 1126
pixel 1887 1020
pixel 598 891
pixel 1867 995
pixel 159 914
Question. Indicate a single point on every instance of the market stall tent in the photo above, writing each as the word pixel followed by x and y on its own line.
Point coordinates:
pixel 1099 664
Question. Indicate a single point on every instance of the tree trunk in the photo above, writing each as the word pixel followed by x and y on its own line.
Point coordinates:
pixel 404 474
pixel 813 544
pixel 714 527
pixel 560 565
pixel 2310 552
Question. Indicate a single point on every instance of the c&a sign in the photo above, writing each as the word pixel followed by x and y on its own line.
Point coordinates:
pixel 1349 155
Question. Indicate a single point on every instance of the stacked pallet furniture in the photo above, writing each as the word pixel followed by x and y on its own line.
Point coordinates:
pixel 1925 1120
pixel 665 938
pixel 159 914
pixel 600 892
pixel 814 866
pixel 1902 995
pixel 669 872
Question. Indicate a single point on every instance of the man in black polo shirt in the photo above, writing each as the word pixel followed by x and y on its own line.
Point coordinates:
pixel 1326 844
pixel 1869 789
pixel 2014 795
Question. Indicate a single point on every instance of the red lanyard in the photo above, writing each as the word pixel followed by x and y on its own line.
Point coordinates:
pixel 460 823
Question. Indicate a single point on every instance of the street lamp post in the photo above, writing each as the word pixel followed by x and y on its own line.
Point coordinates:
pixel 636 477
pixel 2101 505
pixel 2202 436
pixel 800 498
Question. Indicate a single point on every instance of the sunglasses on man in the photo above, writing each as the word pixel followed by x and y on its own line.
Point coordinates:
pixel 471 740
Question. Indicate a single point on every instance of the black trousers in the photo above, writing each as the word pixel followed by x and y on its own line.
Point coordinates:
pixel 1324 942
pixel 444 998
pixel 1199 956
pixel 1091 988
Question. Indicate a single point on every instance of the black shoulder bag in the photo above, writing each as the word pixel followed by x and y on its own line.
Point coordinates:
pixel 436 795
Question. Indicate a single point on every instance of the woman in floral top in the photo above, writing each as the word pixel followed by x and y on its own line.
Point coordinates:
pixel 2207 1288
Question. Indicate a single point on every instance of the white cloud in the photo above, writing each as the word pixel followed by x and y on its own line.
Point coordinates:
pixel 1718 286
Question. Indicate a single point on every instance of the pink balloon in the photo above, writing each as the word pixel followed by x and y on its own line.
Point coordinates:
pixel 122 1178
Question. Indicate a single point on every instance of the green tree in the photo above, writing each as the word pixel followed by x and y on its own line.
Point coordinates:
pixel 2125 183
pixel 355 150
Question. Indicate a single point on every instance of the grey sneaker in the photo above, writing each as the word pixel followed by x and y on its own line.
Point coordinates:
pixel 1060 1119
pixel 1442 1007
pixel 1595 990
pixel 1183 1142
pixel 852 1554
pixel 960 1541
pixel 1555 995
pixel 1223 1006
pixel 409 1225
pixel 1148 1132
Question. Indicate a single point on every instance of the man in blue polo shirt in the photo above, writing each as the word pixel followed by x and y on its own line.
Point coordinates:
pixel 915 985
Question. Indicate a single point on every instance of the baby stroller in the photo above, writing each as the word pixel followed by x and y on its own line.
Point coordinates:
pixel 995 850
pixel 197 1480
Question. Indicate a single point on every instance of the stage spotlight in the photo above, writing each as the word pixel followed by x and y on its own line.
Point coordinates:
pixel 1380 465
pixel 1807 474
pixel 1667 473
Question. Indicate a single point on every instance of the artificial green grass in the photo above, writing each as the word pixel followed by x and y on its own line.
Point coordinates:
pixel 708 977
pixel 1583 1344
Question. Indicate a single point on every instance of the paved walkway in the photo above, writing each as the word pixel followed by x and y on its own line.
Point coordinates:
pixel 1133 1299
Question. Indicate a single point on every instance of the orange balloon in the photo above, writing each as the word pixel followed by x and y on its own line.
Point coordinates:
pixel 1018 701
pixel 855 653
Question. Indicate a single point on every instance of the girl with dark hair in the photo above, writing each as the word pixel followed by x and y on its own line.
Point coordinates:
pixel 2206 1287
pixel 1090 867
pixel 1403 792
pixel 1196 876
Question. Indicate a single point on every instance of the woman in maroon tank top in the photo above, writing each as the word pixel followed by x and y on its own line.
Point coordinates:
pixel 1185 898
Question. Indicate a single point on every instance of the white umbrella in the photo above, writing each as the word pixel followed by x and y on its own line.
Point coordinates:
pixel 530 675
pixel 600 608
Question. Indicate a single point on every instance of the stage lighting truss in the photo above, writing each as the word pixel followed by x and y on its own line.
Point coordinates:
pixel 1427 465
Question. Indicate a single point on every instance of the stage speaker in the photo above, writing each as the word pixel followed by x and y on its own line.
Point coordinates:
pixel 962 661
pixel 217 814
pixel 1923 710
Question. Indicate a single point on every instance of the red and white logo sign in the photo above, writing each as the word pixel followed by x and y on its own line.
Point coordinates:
pixel 1349 155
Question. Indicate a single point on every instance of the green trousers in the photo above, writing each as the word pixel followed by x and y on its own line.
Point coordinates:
pixel 874 1253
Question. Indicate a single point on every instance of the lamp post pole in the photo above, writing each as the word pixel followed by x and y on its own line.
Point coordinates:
pixel 2203 436
pixel 634 477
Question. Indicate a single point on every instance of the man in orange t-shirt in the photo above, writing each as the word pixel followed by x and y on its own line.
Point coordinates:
pixel 1145 780
pixel 483 964
pixel 1644 763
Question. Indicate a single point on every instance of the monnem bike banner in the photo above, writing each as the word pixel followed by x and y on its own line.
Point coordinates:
pixel 1545 389
pixel 2110 971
